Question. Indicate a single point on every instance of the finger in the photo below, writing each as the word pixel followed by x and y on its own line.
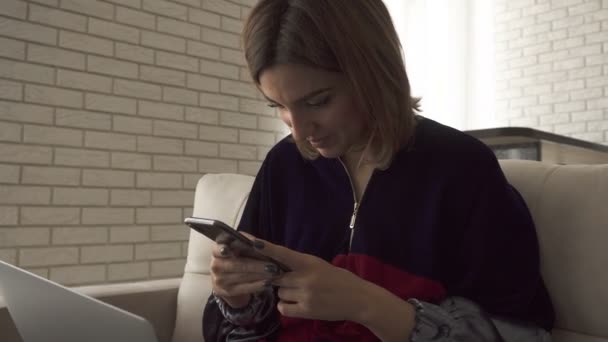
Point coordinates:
pixel 242 265
pixel 221 251
pixel 290 295
pixel 241 289
pixel 231 279
pixel 292 310
pixel 282 254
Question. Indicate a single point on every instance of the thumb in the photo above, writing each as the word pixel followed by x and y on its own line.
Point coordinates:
pixel 284 255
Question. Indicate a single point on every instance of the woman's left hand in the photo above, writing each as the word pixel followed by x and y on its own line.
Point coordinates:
pixel 315 289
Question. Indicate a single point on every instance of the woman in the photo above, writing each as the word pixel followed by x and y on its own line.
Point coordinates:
pixel 395 227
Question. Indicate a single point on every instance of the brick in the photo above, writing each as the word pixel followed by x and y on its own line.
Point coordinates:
pixel 204 18
pixel 203 83
pixel 14 8
pixel 80 197
pixel 222 7
pixel 48 256
pixel 83 81
pixel 177 61
pixel 597 104
pixel 10 132
pixel 568 85
pixel 190 181
pixel 8 216
pixel 256 107
pixel 271 124
pixel 524 122
pixel 568 43
pixel 134 53
pixel 590 115
pixel 245 12
pixel 9 174
pixel 166 8
pixel 106 254
pixel 26 72
pixel 587 50
pixel 161 110
pixel 152 251
pixel 78 275
pixel 129 3
pixel 53 96
pixel 238 89
pixel 93 8
pixel 585 73
pixel 112 104
pixel 131 161
pixel 249 167
pixel 529 30
pixel 137 89
pixel 538 69
pixel 257 138
pixel 569 106
pixel 172 232
pixel 112 67
pixel 246 76
pixel 554 98
pixel 180 96
pixel 113 31
pixel 159 180
pixel 233 151
pixel 108 178
pixel 570 128
pixel 49 216
pixel 202 115
pixel 552 15
pixel 79 235
pixel 586 94
pixel 171 198
pixel 50 175
pixel 220 38
pixel 597 15
pixel 52 3
pixel 130 198
pixel 129 234
pixel 132 125
pixel 597 60
pixel 110 141
pixel 175 129
pixel 569 21
pixel 159 145
pixel 128 271
pixel 193 3
pixel 202 50
pixel 12 48
pixel 537 49
pixel 523 61
pixel 552 35
pixel 162 76
pixel 167 268
pixel 557 76
pixel 86 43
pixel 27 31
pixel 23 154
pixel 9 255
pixel 19 194
pixel 83 119
pixel 163 41
pixel 81 157
pixel 555 119
pixel 208 165
pixel 233 56
pixel 232 25
pixel 200 148
pixel 135 18
pixel 587 7
pixel 218 101
pixel 11 90
pixel 57 18
pixel 212 133
pixel 52 136
pixel 167 163
pixel 584 29
pixel 158 215
pixel 596 81
pixel 508 35
pixel 597 137
pixel 597 125
pixel 238 120
pixel 107 215
pixel 179 28
pixel 19 237
pixel 219 69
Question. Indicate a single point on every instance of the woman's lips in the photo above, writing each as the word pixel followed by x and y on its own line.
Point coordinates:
pixel 318 142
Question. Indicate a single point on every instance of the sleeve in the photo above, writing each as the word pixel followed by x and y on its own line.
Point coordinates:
pixel 259 318
pixel 493 256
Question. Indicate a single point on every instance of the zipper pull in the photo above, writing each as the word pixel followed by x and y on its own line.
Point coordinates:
pixel 354 217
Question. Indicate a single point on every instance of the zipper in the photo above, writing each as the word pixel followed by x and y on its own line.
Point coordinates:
pixel 353 218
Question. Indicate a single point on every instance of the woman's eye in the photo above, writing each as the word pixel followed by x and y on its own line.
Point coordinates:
pixel 319 102
pixel 273 105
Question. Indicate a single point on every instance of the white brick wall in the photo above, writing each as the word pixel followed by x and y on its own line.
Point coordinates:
pixel 110 111
pixel 552 62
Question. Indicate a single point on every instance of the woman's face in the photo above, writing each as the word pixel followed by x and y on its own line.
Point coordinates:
pixel 317 106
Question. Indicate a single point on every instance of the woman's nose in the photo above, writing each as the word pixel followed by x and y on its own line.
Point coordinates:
pixel 301 127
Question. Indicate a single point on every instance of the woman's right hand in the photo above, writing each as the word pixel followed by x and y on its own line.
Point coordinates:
pixel 235 279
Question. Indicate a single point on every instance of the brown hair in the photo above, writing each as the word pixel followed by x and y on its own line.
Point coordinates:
pixel 353 37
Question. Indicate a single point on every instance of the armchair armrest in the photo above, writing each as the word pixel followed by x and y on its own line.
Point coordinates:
pixel 154 300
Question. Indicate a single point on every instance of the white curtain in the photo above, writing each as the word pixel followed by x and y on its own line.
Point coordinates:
pixel 449 57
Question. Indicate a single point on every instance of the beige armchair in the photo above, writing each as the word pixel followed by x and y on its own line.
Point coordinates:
pixel 569 205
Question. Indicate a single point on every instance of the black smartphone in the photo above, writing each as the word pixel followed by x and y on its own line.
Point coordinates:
pixel 222 233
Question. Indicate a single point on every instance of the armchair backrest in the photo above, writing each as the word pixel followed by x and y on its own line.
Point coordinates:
pixel 569 204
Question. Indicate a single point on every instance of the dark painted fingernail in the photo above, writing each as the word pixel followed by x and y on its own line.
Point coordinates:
pixel 224 251
pixel 271 268
pixel 258 244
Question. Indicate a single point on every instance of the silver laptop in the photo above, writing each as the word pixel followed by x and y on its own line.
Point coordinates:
pixel 44 311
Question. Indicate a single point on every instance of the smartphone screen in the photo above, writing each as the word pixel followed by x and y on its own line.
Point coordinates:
pixel 222 233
